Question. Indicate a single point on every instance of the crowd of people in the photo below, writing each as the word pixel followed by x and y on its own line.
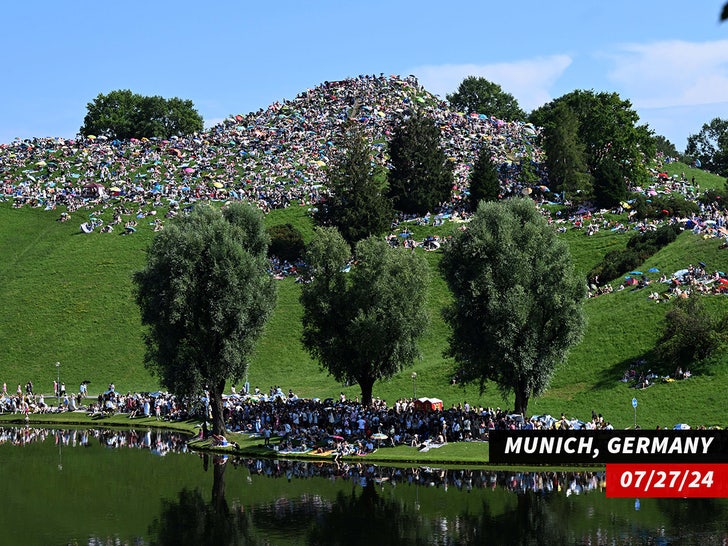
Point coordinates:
pixel 272 158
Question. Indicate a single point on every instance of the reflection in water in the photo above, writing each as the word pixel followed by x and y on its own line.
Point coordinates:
pixel 158 441
pixel 294 502
pixel 190 520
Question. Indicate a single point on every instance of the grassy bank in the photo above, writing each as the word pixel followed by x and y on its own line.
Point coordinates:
pixel 67 297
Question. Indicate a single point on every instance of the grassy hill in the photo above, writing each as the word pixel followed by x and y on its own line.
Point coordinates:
pixel 67 297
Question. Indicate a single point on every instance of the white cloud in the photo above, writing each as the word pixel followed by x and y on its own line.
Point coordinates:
pixel 672 73
pixel 528 80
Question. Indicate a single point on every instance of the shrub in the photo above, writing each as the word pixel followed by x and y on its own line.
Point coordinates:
pixel 286 242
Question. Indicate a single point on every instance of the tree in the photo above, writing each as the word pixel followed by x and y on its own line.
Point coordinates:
pixel 710 146
pixel 610 187
pixel 484 183
pixel 421 176
pixel 362 323
pixel 205 296
pixel 286 242
pixel 122 114
pixel 665 147
pixel 565 154
pixel 356 204
pixel 480 96
pixel 691 334
pixel 607 130
pixel 517 305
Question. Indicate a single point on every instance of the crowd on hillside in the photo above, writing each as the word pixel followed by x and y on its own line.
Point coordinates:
pixel 272 158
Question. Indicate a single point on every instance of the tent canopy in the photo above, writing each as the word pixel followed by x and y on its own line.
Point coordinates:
pixel 428 404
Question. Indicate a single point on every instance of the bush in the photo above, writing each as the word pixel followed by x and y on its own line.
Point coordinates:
pixel 286 242
pixel 639 248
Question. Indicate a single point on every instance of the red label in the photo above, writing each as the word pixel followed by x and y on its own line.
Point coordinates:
pixel 667 480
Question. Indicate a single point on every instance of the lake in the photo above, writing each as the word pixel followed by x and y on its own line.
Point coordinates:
pixel 136 487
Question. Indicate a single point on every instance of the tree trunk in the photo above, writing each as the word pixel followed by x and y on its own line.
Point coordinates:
pixel 522 393
pixel 218 490
pixel 216 405
pixel 366 384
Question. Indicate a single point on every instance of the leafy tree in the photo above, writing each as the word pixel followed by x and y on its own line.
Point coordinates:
pixel 363 325
pixel 665 147
pixel 478 95
pixel 122 114
pixel 565 154
pixel 691 334
pixel 610 187
pixel 286 242
pixel 710 146
pixel 421 175
pixel 205 295
pixel 607 130
pixel 484 183
pixel 356 204
pixel 517 301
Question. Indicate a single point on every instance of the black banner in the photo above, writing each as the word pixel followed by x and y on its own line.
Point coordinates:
pixel 555 447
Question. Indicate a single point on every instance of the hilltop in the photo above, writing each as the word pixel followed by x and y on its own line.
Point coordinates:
pixel 67 295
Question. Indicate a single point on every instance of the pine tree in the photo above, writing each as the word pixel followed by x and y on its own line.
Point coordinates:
pixel 420 178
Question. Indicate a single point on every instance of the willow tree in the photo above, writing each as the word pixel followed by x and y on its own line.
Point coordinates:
pixel 517 305
pixel 205 296
pixel 362 321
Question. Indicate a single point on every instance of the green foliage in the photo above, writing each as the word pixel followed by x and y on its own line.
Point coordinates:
pixel 566 155
pixel 286 242
pixel 484 183
pixel 362 324
pixel 715 198
pixel 610 187
pixel 205 296
pixel 355 204
pixel 710 146
pixel 653 207
pixel 665 147
pixel 518 301
pixel 478 95
pixel 606 129
pixel 639 248
pixel 691 334
pixel 122 114
pixel 421 176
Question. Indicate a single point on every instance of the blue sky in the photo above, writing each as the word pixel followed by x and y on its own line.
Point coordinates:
pixel 669 58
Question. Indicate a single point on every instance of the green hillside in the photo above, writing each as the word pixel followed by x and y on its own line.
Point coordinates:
pixel 67 297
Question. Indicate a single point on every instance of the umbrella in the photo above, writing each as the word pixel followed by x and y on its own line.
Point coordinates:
pixel 653 270
pixel 379 436
pixel 681 426
pixel 635 272
pixel 217 184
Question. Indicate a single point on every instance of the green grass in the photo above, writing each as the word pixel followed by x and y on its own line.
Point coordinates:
pixel 68 297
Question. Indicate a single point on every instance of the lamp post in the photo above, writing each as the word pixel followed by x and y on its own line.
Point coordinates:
pixel 58 387
pixel 414 384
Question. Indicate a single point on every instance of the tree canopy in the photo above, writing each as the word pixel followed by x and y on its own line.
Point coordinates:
pixel 484 183
pixel 606 130
pixel 710 146
pixel 421 176
pixel 205 295
pixel 355 204
pixel 362 321
pixel 517 305
pixel 122 114
pixel 478 95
